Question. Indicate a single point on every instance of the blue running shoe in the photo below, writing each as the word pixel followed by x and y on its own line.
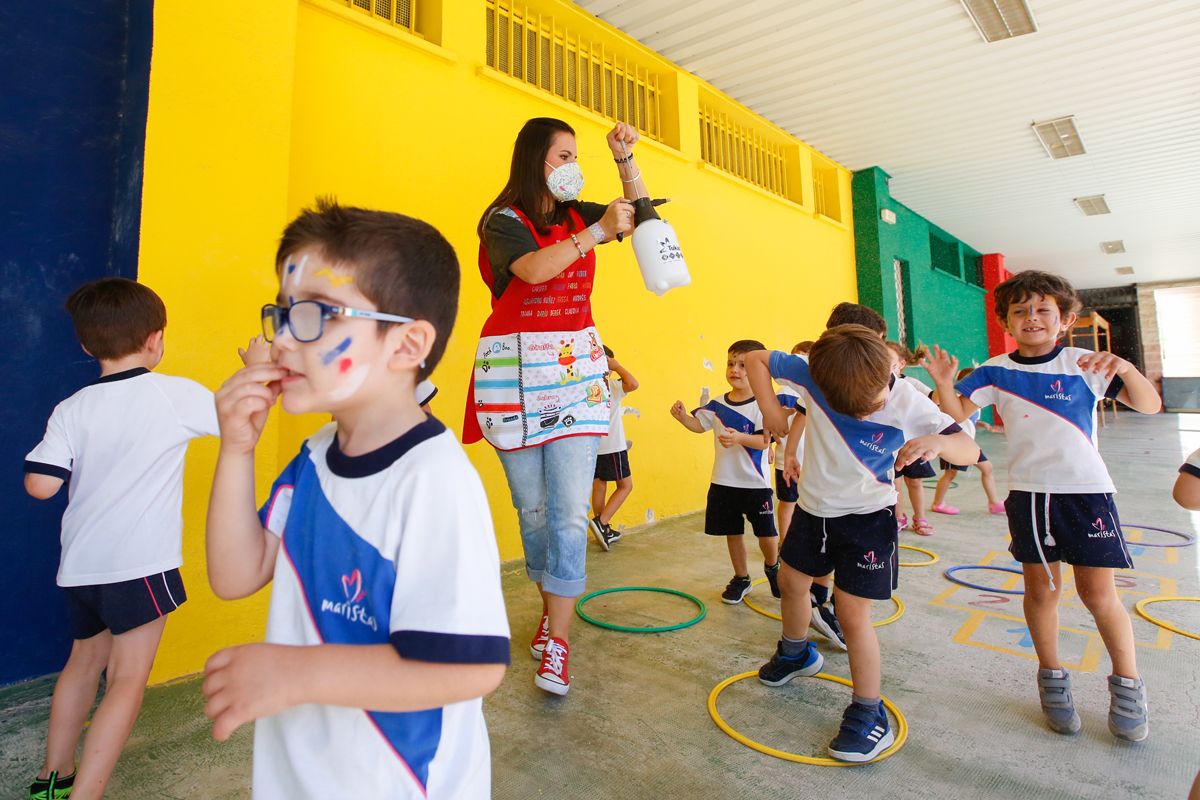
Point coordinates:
pixel 781 669
pixel 864 734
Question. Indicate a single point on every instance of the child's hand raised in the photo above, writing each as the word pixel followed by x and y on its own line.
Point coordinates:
pixel 940 365
pixel 257 351
pixel 1111 365
pixel 243 403
pixel 678 411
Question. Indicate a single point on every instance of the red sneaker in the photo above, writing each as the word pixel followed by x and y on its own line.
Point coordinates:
pixel 552 675
pixel 539 639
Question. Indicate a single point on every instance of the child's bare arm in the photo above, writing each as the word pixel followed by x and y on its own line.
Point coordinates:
pixel 957 448
pixel 42 487
pixel 251 681
pixel 729 437
pixel 240 553
pixel 628 382
pixel 758 372
pixel 1187 491
pixel 686 419
pixel 1138 392
pixel 795 432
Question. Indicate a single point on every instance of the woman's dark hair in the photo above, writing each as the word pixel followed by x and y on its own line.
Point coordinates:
pixel 526 189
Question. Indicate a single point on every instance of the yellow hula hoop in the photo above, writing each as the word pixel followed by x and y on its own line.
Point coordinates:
pixel 933 557
pixel 755 607
pixel 820 761
pixel 1140 607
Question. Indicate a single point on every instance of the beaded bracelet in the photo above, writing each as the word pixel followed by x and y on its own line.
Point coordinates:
pixel 624 160
pixel 578 246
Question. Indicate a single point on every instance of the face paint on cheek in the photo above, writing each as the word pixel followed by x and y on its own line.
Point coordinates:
pixel 350 383
pixel 332 355
pixel 334 278
pixel 344 366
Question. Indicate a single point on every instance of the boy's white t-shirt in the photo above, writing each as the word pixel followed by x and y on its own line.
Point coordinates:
pixel 854 459
pixel 738 466
pixel 1049 408
pixel 426 391
pixel 614 441
pixel 120 443
pixel 917 384
pixel 391 547
pixel 788 398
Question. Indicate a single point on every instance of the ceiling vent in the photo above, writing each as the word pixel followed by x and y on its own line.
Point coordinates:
pixel 997 20
pixel 1060 137
pixel 1114 247
pixel 1124 270
pixel 1093 205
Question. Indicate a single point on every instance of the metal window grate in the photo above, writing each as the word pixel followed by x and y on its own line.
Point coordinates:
pixel 901 299
pixel 401 13
pixel 539 50
pixel 827 199
pixel 735 141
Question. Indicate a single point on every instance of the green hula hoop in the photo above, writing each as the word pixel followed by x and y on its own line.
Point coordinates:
pixel 631 629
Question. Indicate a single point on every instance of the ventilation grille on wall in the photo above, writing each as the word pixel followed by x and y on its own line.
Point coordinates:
pixel 1000 19
pixel 577 65
pixel 1113 247
pixel 1124 270
pixel 1093 205
pixel 736 141
pixel 1060 137
pixel 397 12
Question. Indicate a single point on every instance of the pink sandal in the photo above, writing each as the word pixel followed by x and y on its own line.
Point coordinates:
pixel 921 527
pixel 901 522
pixel 996 508
pixel 942 508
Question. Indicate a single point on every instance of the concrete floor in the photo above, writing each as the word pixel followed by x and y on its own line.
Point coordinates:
pixel 635 724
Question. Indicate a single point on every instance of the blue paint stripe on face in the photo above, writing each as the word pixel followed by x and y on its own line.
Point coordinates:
pixel 333 354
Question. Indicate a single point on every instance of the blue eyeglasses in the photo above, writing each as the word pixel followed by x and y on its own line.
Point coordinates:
pixel 306 319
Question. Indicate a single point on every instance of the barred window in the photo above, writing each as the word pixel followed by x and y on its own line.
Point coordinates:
pixel 736 141
pixel 573 64
pixel 401 13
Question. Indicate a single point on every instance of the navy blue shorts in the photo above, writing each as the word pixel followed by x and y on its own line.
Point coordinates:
pixel 612 466
pixel 728 505
pixel 860 549
pixel 946 465
pixel 121 607
pixel 917 469
pixel 1083 529
pixel 783 492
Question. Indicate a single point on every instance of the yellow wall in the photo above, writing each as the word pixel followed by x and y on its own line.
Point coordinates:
pixel 258 108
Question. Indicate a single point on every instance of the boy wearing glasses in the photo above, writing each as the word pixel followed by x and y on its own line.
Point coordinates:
pixel 387 623
pixel 119 444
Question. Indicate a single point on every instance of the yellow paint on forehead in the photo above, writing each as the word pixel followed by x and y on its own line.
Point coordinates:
pixel 334 278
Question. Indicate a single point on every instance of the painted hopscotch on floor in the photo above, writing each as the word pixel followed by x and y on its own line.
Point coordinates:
pixel 996 622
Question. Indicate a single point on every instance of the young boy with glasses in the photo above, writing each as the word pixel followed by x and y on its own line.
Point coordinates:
pixel 387 623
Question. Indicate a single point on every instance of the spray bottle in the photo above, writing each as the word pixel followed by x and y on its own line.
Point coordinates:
pixel 656 248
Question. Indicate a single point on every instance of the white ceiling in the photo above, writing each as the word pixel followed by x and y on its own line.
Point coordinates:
pixel 910 86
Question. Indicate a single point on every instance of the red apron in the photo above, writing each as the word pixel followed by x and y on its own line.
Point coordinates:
pixel 539 365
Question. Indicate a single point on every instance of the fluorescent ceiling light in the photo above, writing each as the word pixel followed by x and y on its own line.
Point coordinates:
pixel 1113 247
pixel 1060 137
pixel 1092 205
pixel 1124 270
pixel 1000 19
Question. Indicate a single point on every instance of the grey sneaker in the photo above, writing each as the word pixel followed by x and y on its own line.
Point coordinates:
pixel 1054 686
pixel 1128 714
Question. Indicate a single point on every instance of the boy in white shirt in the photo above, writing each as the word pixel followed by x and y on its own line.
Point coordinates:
pixel 740 487
pixel 387 623
pixel 1060 504
pixel 862 425
pixel 120 443
pixel 612 459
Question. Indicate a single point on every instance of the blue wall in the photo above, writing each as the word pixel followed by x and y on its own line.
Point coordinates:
pixel 72 135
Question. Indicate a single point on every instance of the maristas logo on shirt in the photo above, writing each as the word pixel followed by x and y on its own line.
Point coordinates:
pixel 1056 389
pixel 875 443
pixel 351 609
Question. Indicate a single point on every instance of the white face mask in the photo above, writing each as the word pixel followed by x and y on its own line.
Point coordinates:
pixel 565 181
